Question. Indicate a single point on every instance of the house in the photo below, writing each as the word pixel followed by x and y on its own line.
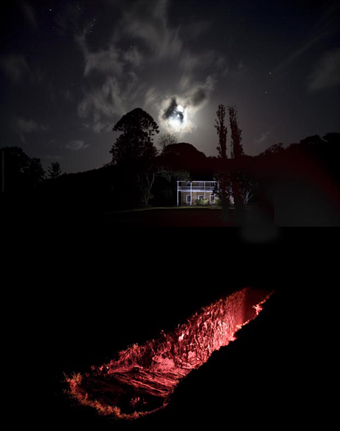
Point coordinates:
pixel 189 192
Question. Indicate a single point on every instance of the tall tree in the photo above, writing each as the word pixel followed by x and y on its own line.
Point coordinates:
pixel 135 152
pixel 35 172
pixel 236 153
pixel 223 180
pixel 222 131
pixel 236 134
pixel 54 171
pixel 135 144
pixel 21 173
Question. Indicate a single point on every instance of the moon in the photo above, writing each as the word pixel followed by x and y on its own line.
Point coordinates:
pixel 176 116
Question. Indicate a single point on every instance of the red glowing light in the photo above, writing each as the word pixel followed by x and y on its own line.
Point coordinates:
pixel 143 378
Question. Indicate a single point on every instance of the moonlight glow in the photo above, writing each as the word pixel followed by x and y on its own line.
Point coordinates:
pixel 177 120
pixel 176 116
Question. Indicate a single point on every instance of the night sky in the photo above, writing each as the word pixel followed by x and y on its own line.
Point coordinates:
pixel 69 70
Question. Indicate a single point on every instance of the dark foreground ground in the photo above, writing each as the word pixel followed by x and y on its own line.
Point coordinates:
pixel 251 218
pixel 171 217
pixel 77 291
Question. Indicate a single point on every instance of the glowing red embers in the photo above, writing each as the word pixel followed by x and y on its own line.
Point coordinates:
pixel 143 378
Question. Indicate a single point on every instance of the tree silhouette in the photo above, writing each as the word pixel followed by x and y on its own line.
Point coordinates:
pixel 20 171
pixel 54 171
pixel 223 189
pixel 233 181
pixel 273 150
pixel 166 139
pixel 135 144
pixel 236 134
pixel 332 138
pixel 135 153
pixel 222 131
pixel 35 172
pixel 312 140
pixel 236 153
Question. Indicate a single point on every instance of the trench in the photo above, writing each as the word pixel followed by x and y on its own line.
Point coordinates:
pixel 142 378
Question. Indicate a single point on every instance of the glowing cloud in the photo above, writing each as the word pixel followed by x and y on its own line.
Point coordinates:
pixel 176 116
pixel 177 113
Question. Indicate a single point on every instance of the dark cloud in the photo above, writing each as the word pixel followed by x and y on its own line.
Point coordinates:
pixel 199 97
pixel 197 28
pixel 327 72
pixel 30 15
pixel 263 138
pixel 147 23
pixel 76 145
pixel 173 112
pixel 23 127
pixel 15 66
pixel 105 61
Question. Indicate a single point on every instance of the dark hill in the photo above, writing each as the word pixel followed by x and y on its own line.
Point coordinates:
pixel 184 150
pixel 185 157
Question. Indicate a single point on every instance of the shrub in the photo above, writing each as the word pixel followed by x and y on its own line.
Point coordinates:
pixel 202 202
